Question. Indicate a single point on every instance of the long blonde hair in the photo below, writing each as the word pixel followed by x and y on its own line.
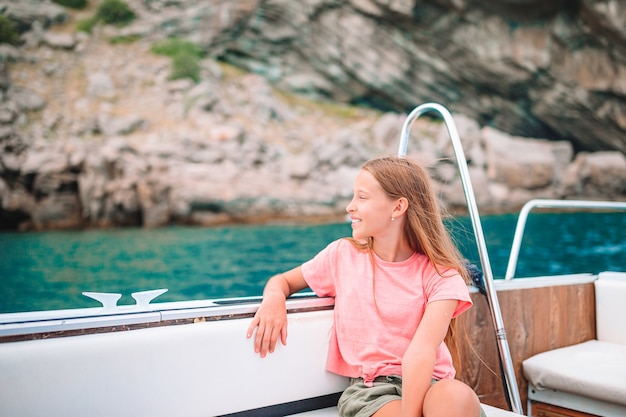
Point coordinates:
pixel 423 228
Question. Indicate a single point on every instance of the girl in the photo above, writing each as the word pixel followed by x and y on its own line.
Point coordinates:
pixel 398 283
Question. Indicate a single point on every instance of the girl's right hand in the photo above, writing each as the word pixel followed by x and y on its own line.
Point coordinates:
pixel 270 322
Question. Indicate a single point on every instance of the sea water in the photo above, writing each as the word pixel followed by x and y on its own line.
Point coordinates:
pixel 50 270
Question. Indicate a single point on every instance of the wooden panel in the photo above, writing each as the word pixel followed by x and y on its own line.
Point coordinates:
pixel 535 320
pixel 548 410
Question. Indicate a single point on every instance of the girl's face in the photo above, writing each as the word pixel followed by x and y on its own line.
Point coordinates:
pixel 370 209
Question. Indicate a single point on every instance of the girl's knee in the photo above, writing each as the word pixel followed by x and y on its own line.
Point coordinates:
pixel 451 398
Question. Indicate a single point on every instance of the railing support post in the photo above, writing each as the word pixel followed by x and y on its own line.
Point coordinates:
pixel 496 314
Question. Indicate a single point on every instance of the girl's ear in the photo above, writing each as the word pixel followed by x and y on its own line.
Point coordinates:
pixel 402 204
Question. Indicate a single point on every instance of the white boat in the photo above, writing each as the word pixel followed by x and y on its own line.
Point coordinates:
pixel 192 358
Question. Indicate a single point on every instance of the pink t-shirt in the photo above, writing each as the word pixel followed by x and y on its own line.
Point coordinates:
pixel 366 343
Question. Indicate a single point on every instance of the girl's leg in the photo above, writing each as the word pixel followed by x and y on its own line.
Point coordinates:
pixel 391 409
pixel 451 398
pixel 445 398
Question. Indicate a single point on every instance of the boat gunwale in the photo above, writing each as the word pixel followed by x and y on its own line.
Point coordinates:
pixel 63 323
pixel 44 324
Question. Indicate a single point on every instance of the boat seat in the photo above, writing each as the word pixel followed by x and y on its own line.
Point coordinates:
pixel 332 412
pixel 591 376
pixel 186 370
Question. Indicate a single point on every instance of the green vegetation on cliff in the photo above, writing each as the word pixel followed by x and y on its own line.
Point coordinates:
pixel 109 12
pixel 185 56
pixel 72 4
pixel 8 33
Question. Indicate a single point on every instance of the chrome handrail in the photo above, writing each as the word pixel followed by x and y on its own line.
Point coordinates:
pixel 546 203
pixel 496 314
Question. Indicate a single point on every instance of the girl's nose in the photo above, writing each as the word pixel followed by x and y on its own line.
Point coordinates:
pixel 350 207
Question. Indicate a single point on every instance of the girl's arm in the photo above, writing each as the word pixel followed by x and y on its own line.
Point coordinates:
pixel 418 362
pixel 270 319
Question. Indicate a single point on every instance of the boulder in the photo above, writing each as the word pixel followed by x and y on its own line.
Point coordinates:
pixel 59 40
pixel 522 163
pixel 25 99
pixel 28 12
pixel 57 211
pixel 44 160
pixel 596 175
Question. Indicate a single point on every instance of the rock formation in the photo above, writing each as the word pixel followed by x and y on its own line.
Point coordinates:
pixel 94 134
pixel 531 68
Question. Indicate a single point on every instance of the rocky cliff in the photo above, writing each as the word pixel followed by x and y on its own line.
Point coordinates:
pixel 532 68
pixel 94 133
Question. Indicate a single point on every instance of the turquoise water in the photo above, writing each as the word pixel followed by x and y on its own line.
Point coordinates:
pixel 50 270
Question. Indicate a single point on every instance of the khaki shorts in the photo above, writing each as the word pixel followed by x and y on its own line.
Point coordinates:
pixel 359 400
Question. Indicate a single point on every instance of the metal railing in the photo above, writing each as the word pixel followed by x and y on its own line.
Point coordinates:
pixel 545 203
pixel 496 314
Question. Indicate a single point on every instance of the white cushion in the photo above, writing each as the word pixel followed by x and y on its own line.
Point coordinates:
pixel 610 295
pixel 593 369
